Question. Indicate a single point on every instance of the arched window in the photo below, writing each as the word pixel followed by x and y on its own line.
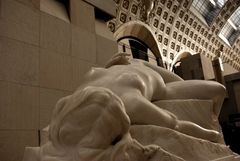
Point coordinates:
pixel 138 34
pixel 138 49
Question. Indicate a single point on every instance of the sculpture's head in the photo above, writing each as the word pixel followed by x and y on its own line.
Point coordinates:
pixel 90 117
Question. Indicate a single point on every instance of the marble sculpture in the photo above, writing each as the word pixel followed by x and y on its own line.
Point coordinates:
pixel 112 117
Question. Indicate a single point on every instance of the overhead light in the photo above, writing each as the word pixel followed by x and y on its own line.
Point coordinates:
pixel 213 2
pixel 232 24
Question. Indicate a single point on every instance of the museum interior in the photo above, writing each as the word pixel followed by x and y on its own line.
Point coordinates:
pixel 46 47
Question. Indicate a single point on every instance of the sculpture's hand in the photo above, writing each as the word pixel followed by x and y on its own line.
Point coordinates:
pixel 118 59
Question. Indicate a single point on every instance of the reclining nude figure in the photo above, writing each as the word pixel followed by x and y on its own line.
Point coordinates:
pixel 139 83
pixel 99 113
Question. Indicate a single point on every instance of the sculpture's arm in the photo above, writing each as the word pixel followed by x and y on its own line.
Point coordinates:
pixel 166 75
pixel 118 59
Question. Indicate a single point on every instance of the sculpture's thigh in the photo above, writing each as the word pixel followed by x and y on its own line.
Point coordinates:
pixel 194 89
pixel 197 89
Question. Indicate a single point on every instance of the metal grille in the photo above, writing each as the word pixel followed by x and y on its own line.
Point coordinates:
pixel 227 30
pixel 209 9
pixel 235 18
pixel 231 29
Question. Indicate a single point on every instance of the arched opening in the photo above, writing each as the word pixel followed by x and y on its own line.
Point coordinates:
pixel 139 35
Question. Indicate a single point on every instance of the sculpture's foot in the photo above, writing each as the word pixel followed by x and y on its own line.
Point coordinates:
pixel 195 130
pixel 213 136
pixel 221 139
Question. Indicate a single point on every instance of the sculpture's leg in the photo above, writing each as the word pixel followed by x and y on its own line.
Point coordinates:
pixel 193 129
pixel 198 89
pixel 141 111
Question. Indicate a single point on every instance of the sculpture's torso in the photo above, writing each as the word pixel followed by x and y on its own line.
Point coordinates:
pixel 132 77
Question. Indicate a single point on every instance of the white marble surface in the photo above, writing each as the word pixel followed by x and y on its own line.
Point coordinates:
pixel 165 143
pixel 111 117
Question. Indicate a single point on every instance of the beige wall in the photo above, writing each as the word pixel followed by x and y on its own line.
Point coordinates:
pixel 42 58
pixel 228 69
pixel 207 68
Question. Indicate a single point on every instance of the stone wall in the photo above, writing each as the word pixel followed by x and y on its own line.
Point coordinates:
pixel 43 57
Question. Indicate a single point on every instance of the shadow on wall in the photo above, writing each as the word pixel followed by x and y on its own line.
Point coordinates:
pixel 56 8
